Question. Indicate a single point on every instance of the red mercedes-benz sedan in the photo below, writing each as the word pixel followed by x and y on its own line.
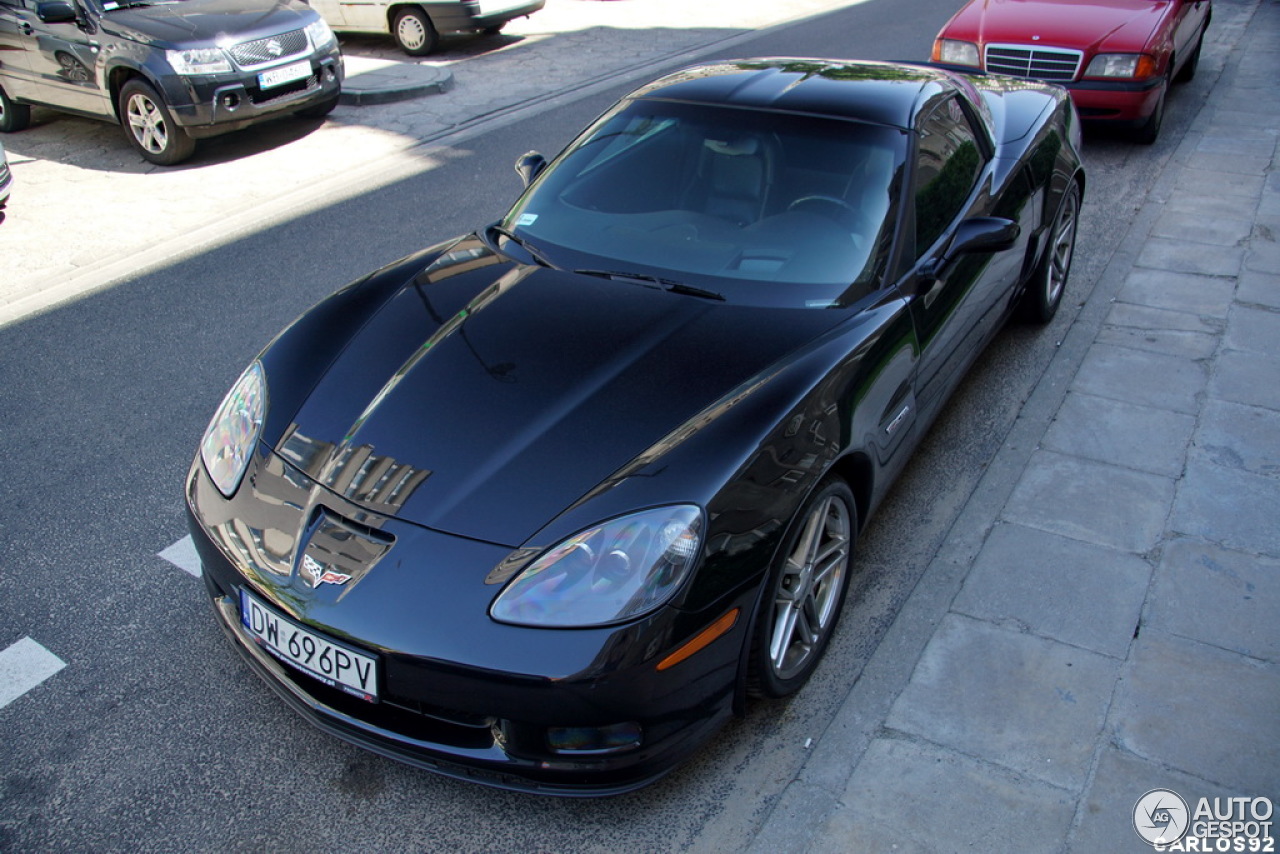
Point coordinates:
pixel 1116 57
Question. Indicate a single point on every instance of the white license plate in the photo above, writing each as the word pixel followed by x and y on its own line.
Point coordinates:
pixel 333 664
pixel 285 74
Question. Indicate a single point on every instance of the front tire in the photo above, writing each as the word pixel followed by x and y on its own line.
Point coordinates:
pixel 1049 282
pixel 1188 71
pixel 150 126
pixel 13 117
pixel 413 31
pixel 1149 131
pixel 805 592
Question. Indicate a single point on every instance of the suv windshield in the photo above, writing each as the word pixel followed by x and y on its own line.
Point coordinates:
pixel 766 208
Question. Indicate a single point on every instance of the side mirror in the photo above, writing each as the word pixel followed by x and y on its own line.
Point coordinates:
pixel 56 11
pixel 976 234
pixel 529 165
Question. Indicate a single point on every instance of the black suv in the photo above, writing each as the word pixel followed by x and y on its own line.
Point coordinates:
pixel 169 71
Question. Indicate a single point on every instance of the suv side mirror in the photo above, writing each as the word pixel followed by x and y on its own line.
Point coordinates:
pixel 529 165
pixel 56 11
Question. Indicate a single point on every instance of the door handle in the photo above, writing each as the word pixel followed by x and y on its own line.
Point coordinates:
pixel 27 29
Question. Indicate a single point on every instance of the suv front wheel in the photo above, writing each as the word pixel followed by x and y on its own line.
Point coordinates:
pixel 150 126
pixel 13 117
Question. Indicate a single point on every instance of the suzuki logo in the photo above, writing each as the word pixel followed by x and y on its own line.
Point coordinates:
pixel 274 47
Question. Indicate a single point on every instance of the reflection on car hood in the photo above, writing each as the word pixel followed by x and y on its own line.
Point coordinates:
pixel 485 399
pixel 1096 24
pixel 200 23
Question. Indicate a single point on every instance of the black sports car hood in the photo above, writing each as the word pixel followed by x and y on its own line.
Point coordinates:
pixel 204 23
pixel 485 397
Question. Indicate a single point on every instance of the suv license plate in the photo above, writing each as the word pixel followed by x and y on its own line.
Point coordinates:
pixel 284 74
pixel 333 664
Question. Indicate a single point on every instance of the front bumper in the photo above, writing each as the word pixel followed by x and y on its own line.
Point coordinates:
pixel 212 105
pixel 460 694
pixel 1120 101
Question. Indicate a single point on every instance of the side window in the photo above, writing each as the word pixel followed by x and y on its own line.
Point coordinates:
pixel 948 163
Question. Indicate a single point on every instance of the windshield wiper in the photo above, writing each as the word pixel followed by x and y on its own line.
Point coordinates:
pixel 533 251
pixel 669 285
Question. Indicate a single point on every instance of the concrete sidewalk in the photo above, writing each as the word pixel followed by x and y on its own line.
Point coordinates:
pixel 1106 622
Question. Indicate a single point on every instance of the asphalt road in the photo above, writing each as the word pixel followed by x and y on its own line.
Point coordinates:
pixel 155 737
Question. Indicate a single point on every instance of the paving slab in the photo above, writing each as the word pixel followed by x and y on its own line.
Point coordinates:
pixel 1245 189
pixel 1233 435
pixel 1252 329
pixel 1240 162
pixel 1263 257
pixel 1201 710
pixel 1247 378
pixel 1182 257
pixel 1179 292
pixel 1151 379
pixel 1228 506
pixel 1259 288
pixel 1219 597
pixel 1057 588
pixel 1106 816
pixel 1092 502
pixel 918 797
pixel 1171 342
pixel 1123 434
pixel 1197 228
pixel 1026 703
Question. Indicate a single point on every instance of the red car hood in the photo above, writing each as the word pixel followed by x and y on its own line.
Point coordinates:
pixel 1090 25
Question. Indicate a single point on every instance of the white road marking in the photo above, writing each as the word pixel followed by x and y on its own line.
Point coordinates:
pixel 182 554
pixel 23 666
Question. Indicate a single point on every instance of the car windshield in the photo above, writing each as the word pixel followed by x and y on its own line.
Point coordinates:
pixel 766 208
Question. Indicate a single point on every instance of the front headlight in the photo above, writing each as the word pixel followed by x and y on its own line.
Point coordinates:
pixel 1131 65
pixel 232 434
pixel 320 33
pixel 955 52
pixel 205 60
pixel 613 572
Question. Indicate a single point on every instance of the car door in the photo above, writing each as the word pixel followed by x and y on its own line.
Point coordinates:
pixel 63 61
pixel 15 68
pixel 955 305
pixel 332 11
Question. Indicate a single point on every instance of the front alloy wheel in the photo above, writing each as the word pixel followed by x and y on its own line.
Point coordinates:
pixel 13 116
pixel 1049 283
pixel 806 592
pixel 150 127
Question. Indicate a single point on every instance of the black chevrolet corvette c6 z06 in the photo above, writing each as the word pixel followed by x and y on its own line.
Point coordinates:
pixel 543 505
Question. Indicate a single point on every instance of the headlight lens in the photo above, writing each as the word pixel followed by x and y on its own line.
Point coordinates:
pixel 955 52
pixel 613 572
pixel 232 434
pixel 1131 65
pixel 205 60
pixel 320 33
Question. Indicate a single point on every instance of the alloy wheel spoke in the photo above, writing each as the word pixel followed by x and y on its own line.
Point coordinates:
pixel 784 629
pixel 812 575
